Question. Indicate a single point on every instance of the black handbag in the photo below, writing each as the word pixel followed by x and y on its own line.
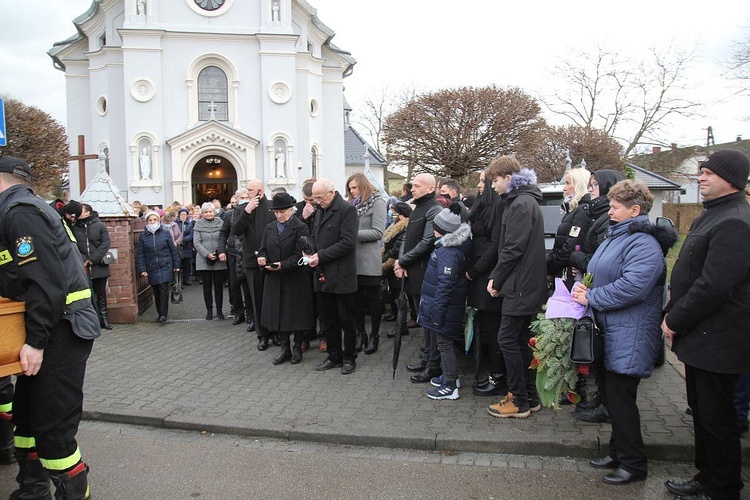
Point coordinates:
pixel 587 342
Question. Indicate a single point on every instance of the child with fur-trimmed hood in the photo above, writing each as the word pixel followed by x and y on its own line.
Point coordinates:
pixel 443 299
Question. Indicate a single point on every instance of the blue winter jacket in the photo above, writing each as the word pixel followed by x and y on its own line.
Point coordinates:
pixel 443 300
pixel 157 255
pixel 627 296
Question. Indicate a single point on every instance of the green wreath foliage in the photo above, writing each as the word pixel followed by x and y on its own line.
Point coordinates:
pixel 556 373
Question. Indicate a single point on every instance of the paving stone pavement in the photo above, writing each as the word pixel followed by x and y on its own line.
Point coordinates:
pixel 194 374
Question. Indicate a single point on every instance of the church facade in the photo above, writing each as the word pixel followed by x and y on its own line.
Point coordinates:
pixel 188 99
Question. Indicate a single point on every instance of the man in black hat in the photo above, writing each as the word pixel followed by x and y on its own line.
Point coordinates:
pixel 41 266
pixel 706 322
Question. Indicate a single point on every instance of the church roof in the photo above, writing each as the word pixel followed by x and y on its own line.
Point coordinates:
pixel 105 198
pixel 355 147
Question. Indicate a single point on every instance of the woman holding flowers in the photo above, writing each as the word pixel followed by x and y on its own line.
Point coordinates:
pixel 629 277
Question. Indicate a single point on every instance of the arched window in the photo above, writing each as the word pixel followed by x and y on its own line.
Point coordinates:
pixel 213 94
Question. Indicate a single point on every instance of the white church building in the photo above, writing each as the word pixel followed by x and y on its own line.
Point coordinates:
pixel 188 99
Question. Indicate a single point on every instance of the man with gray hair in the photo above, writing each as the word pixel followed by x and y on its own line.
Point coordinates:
pixel 253 219
pixel 335 228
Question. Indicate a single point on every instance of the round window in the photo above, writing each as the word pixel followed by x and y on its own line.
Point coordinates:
pixel 101 105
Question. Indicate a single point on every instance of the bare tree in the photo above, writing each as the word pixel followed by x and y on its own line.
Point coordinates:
pixel 740 61
pixel 453 132
pixel 629 101
pixel 594 146
pixel 36 137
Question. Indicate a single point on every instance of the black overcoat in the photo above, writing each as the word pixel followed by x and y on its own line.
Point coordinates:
pixel 92 238
pixel 287 296
pixel 335 239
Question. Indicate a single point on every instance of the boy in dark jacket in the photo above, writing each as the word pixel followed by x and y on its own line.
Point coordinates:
pixel 520 278
pixel 444 288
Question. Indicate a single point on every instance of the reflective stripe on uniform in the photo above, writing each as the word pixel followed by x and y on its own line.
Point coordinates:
pixel 5 257
pixel 60 464
pixel 24 442
pixel 79 295
pixel 6 408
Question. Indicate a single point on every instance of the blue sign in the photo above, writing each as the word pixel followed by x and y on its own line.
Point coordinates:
pixel 3 142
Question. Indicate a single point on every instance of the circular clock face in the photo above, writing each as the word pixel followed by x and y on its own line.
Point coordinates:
pixel 209 5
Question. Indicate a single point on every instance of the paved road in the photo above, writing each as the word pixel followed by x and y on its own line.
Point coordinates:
pixel 160 464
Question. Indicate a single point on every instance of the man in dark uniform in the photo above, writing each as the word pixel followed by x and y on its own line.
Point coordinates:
pixel 41 266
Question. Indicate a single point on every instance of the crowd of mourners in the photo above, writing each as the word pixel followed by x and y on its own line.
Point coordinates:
pixel 313 271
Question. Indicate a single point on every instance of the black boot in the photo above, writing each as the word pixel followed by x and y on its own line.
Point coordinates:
pixel 238 318
pixel 7 449
pixel 286 352
pixel 372 344
pixel 102 303
pixel 72 485
pixel 361 341
pixel 297 348
pixel 32 478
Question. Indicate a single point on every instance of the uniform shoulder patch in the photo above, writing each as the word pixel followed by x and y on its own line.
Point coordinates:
pixel 447 270
pixel 574 232
pixel 24 246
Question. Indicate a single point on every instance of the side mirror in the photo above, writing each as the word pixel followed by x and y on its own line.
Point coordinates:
pixel 665 222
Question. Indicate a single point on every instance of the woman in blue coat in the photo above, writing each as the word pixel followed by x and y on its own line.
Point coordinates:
pixel 627 301
pixel 186 226
pixel 443 297
pixel 156 257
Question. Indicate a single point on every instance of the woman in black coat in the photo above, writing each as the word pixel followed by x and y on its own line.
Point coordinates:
pixel 573 226
pixel 485 219
pixel 157 259
pixel 287 296
pixel 92 238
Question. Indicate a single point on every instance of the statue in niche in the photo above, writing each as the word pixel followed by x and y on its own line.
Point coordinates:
pixel 144 162
pixel 104 157
pixel 141 7
pixel 280 163
pixel 275 11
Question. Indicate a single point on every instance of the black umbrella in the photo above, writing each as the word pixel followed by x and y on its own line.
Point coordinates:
pixel 402 303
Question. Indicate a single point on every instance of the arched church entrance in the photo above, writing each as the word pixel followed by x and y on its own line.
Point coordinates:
pixel 213 177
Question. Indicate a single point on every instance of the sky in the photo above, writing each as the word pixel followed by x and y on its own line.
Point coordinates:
pixel 428 45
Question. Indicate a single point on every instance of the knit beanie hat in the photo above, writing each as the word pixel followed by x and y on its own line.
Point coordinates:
pixel 402 208
pixel 448 219
pixel 732 166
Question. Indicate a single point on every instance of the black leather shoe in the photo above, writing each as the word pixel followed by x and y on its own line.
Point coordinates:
pixel 416 367
pixel 684 488
pixel 240 318
pixel 426 375
pixel 621 476
pixel 327 364
pixel 251 326
pixel 699 496
pixel 348 367
pixel 604 463
pixel 493 386
pixel 262 344
pixel 161 319
pixel 595 416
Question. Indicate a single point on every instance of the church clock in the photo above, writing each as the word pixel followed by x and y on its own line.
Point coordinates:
pixel 209 5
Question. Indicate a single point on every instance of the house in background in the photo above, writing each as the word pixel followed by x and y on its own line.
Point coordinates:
pixel 660 187
pixel 681 165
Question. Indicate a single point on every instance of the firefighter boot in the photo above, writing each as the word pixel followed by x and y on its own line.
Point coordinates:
pixel 7 449
pixel 32 478
pixel 72 485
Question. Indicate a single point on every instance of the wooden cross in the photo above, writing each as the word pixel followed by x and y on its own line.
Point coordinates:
pixel 81 158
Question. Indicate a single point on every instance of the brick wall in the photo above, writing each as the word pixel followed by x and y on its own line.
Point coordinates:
pixel 121 286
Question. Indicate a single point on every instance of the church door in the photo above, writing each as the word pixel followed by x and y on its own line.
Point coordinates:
pixel 213 177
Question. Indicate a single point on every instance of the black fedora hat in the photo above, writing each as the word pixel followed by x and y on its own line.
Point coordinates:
pixel 282 201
